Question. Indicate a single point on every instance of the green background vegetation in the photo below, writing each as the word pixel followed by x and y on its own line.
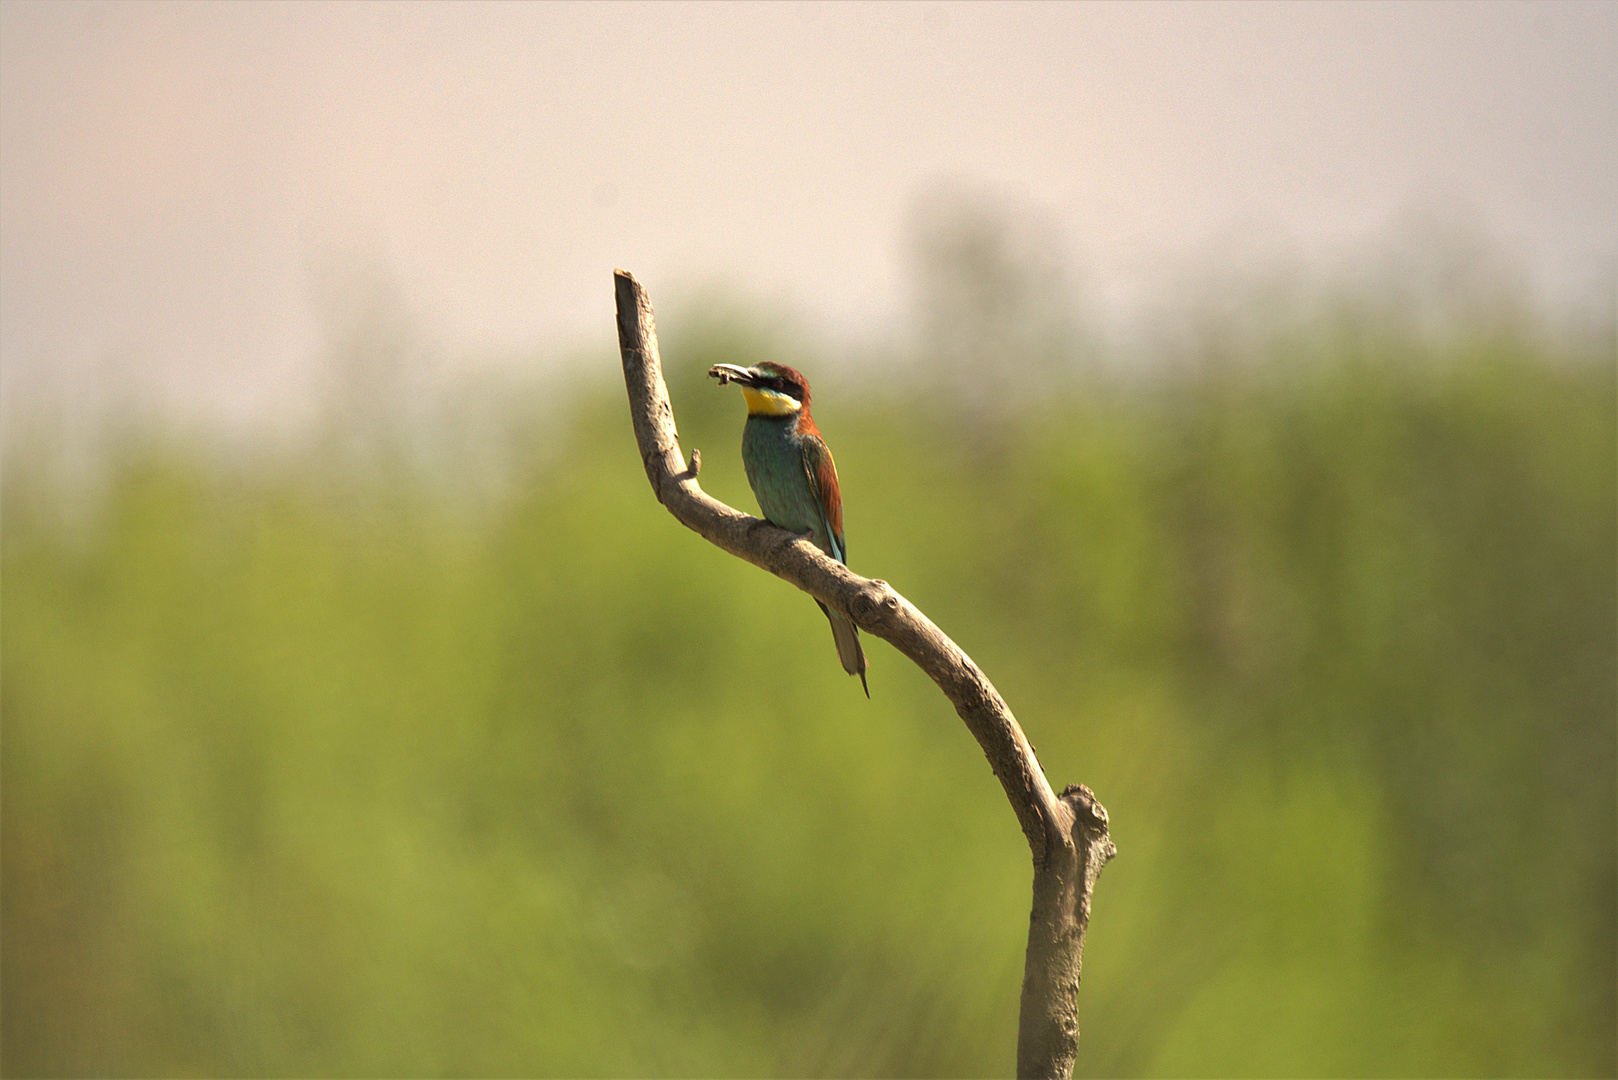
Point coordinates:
pixel 320 769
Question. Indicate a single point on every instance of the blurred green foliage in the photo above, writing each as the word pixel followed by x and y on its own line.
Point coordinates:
pixel 308 774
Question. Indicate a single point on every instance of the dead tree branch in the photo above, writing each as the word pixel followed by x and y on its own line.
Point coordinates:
pixel 1066 833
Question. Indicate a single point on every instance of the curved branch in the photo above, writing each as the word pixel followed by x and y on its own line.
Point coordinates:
pixel 1067 835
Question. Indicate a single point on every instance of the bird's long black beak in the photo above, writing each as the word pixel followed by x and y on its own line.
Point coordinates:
pixel 728 373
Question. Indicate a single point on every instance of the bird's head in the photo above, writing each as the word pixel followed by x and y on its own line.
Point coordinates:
pixel 770 389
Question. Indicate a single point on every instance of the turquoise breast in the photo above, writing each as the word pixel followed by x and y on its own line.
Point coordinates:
pixel 772 454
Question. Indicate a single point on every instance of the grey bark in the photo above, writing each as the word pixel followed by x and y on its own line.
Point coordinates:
pixel 1066 833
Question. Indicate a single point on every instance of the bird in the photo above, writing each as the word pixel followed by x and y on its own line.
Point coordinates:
pixel 793 477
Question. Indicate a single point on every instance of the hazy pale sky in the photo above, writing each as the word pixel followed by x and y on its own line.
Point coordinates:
pixel 177 181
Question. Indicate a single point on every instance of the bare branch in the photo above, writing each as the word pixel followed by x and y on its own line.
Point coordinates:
pixel 1067 835
pixel 1048 1034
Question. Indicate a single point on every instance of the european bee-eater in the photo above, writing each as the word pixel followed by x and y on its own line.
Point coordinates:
pixel 792 475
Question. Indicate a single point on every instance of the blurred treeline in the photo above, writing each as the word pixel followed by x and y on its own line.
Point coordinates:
pixel 322 768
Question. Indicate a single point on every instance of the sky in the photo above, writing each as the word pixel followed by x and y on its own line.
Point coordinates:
pixel 185 188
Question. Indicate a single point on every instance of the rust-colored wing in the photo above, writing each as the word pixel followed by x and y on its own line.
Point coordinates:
pixel 817 462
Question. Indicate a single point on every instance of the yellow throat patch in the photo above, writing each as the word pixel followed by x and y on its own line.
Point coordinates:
pixel 769 402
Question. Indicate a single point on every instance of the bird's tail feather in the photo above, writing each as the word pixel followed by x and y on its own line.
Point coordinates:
pixel 849 651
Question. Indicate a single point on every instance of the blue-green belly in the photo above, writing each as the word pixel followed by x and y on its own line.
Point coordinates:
pixel 773 457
